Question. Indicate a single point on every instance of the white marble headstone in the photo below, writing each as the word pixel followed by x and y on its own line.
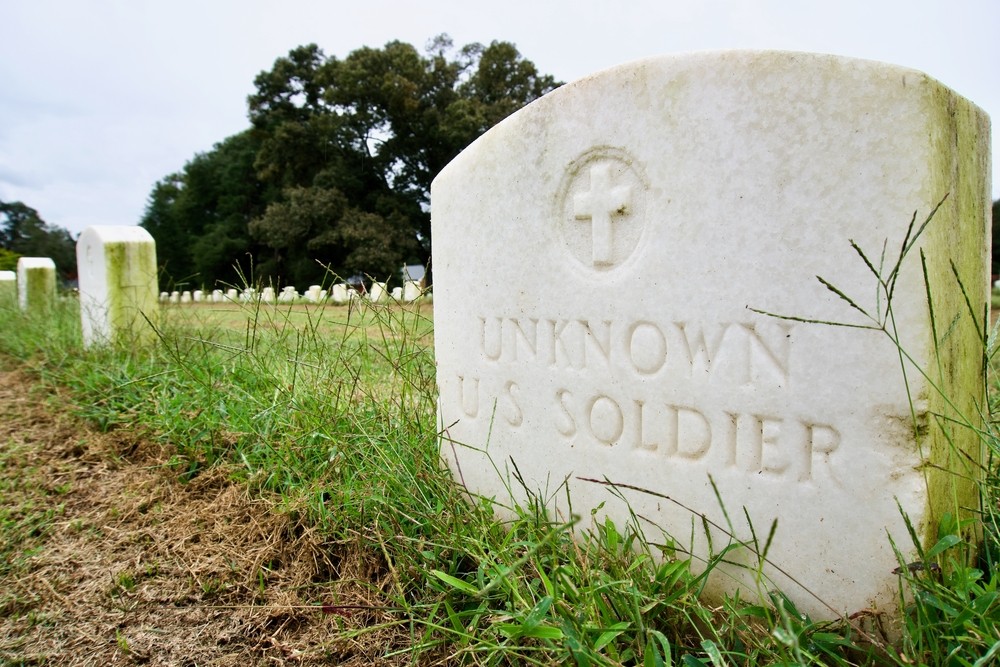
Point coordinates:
pixel 8 287
pixel 117 271
pixel 598 258
pixel 36 284
pixel 411 290
pixel 378 292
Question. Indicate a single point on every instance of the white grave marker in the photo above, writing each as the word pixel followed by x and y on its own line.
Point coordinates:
pixel 378 292
pixel 8 288
pixel 597 258
pixel 36 284
pixel 117 269
pixel 411 290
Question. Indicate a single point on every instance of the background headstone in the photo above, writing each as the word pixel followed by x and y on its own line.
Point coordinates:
pixel 411 290
pixel 36 284
pixel 378 292
pixel 8 288
pixel 117 271
pixel 595 320
pixel 339 293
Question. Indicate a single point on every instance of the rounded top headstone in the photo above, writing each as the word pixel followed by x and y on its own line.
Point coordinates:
pixel 112 233
pixel 35 263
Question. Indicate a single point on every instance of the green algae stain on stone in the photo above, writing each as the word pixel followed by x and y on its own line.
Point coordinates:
pixel 958 283
pixel 8 289
pixel 118 285
pixel 36 285
pixel 131 279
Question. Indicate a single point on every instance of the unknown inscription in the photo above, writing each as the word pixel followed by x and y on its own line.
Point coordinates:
pixel 579 410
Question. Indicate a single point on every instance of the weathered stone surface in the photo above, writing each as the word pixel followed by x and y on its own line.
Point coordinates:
pixel 378 292
pixel 598 260
pixel 118 297
pixel 411 290
pixel 36 284
pixel 8 288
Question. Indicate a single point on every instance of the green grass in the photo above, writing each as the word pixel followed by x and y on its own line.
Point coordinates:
pixel 330 412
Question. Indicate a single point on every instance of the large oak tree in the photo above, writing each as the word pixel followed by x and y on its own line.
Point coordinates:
pixel 335 170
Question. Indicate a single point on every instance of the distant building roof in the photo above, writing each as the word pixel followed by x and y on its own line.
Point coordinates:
pixel 413 272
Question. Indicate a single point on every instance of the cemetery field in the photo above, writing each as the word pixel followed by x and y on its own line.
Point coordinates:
pixel 262 485
pixel 354 319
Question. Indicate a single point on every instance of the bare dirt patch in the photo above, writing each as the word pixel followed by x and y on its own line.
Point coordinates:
pixel 106 558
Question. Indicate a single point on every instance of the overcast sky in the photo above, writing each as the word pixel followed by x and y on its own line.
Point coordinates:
pixel 100 99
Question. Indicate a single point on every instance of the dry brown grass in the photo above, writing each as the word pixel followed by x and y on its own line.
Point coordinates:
pixel 135 567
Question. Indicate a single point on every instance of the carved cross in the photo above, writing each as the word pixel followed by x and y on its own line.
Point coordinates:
pixel 600 205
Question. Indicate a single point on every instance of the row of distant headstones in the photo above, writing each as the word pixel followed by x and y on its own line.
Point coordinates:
pixel 117 280
pixel 339 293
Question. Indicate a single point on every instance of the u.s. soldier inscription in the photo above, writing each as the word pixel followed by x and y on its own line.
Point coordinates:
pixel 600 260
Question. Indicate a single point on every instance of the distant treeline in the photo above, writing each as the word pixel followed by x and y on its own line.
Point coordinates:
pixel 333 175
pixel 23 233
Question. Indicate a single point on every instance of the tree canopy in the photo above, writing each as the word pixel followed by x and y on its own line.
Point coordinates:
pixel 23 233
pixel 335 169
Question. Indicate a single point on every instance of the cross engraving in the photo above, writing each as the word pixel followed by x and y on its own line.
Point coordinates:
pixel 600 205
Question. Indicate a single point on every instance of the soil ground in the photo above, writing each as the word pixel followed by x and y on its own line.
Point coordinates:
pixel 107 559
